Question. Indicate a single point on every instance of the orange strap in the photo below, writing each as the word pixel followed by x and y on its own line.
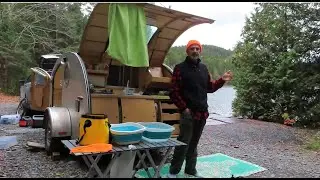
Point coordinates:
pixel 92 148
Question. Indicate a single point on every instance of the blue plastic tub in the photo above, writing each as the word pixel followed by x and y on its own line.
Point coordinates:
pixel 156 131
pixel 126 133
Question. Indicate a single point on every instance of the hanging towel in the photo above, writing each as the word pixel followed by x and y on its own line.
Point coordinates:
pixel 127 34
pixel 92 148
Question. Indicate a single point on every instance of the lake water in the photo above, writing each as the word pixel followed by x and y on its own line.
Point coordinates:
pixel 220 102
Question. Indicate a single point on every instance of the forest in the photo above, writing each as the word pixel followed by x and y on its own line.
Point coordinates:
pixel 276 64
pixel 29 30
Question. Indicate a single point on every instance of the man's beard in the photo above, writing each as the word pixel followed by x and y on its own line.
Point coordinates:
pixel 194 56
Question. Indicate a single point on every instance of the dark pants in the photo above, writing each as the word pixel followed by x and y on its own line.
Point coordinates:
pixel 190 133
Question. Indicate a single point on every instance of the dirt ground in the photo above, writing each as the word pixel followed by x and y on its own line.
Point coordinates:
pixel 8 99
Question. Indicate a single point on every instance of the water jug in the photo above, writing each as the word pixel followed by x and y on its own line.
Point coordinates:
pixel 93 128
pixel 10 119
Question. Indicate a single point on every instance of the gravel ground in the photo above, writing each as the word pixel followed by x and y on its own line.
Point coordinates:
pixel 8 108
pixel 275 147
pixel 19 162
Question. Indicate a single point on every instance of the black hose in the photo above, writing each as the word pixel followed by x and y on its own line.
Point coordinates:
pixel 87 124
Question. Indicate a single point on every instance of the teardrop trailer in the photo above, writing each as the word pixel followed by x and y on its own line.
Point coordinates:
pixel 93 82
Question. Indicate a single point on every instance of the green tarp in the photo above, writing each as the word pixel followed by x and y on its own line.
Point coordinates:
pixel 127 35
pixel 213 166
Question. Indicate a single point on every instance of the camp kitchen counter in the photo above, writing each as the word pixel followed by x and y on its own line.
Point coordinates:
pixel 142 150
pixel 149 97
pixel 121 108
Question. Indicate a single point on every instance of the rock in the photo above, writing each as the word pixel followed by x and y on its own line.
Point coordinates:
pixel 71 163
pixel 35 145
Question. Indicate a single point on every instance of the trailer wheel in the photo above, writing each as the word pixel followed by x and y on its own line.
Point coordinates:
pixel 51 144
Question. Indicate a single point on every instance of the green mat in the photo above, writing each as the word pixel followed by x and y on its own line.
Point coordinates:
pixel 213 166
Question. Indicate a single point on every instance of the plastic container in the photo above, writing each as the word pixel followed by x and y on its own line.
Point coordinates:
pixel 37 121
pixel 8 141
pixel 94 128
pixel 10 119
pixel 25 121
pixel 156 131
pixel 126 133
pixel 128 91
pixel 28 119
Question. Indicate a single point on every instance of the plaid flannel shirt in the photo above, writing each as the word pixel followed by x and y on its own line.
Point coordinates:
pixel 177 99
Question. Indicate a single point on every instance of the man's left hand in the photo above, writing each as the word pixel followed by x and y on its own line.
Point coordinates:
pixel 227 76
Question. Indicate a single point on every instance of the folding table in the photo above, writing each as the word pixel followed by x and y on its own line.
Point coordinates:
pixel 142 149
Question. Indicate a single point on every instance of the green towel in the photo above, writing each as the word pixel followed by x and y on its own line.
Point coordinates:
pixel 127 34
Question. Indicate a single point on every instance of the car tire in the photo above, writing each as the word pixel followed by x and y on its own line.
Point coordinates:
pixel 21 109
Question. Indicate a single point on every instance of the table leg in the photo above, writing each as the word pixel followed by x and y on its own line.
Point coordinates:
pixel 94 165
pixel 141 161
pixel 155 167
pixel 86 161
pixel 163 161
pixel 151 161
pixel 107 170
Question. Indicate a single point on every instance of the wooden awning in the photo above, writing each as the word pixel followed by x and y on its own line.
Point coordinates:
pixel 170 23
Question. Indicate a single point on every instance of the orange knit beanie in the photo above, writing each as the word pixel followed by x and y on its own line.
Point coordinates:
pixel 193 42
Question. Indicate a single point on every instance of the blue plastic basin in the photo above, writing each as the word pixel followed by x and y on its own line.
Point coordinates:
pixel 126 133
pixel 156 131
pixel 128 128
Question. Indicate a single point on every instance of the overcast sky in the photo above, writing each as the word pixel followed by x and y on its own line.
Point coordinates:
pixel 224 32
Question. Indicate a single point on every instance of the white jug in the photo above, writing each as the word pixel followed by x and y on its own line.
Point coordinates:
pixel 10 119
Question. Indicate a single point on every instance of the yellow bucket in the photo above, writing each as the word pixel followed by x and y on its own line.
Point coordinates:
pixel 94 128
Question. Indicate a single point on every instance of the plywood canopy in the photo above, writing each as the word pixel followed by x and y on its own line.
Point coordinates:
pixel 170 23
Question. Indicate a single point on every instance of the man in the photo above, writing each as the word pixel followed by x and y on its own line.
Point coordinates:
pixel 191 81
